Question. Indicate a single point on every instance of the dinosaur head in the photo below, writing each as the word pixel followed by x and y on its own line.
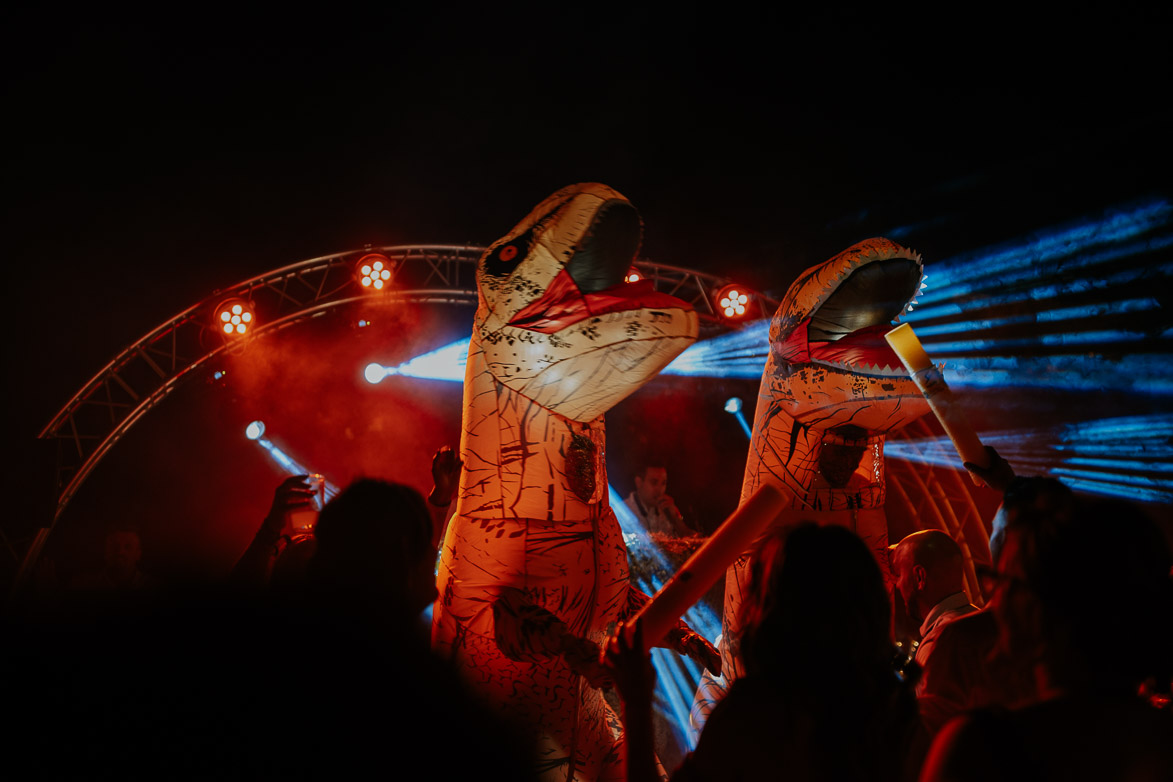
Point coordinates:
pixel 829 331
pixel 556 321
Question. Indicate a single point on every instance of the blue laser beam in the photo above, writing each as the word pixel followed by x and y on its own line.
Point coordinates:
pixel 444 363
pixel 700 617
pixel 955 277
pixel 676 676
pixel 254 432
pixel 738 354
pixel 1130 456
pixel 1045 278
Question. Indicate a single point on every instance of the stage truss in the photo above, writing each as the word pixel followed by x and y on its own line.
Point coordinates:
pixel 145 373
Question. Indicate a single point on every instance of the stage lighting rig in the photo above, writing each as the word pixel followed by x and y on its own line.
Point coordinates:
pixel 373 271
pixel 733 302
pixel 633 275
pixel 234 317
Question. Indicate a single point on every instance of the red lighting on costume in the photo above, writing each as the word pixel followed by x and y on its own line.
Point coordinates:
pixel 733 302
pixel 633 275
pixel 234 317
pixel 374 271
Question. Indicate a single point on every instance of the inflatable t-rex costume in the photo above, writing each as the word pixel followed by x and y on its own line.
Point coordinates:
pixel 831 390
pixel 533 570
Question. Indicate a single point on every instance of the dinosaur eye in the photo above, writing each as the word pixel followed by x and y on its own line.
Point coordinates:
pixel 505 258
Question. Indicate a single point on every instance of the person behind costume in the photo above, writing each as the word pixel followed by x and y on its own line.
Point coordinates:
pixel 821 698
pixel 653 506
pixel 1087 603
pixel 931 584
pixel 962 672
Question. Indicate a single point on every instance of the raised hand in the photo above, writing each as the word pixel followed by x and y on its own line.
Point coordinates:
pixel 997 476
pixel 293 493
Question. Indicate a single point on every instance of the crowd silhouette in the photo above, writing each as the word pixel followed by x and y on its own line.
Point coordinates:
pixel 314 659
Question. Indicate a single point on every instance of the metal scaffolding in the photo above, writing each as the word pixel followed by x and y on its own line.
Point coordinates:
pixel 146 372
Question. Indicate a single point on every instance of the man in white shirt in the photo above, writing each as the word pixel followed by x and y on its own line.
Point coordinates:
pixel 931 584
pixel 651 504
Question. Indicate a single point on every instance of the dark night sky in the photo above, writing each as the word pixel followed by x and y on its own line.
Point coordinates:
pixel 154 159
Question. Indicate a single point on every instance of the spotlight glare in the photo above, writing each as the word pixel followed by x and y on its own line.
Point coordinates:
pixel 366 282
pixel 378 285
pixel 241 328
pixel 633 275
pixel 237 309
pixel 443 363
pixel 386 275
pixel 254 430
pixel 374 373
pixel 733 405
pixel 246 317
pixel 378 265
pixel 225 315
pixel 227 328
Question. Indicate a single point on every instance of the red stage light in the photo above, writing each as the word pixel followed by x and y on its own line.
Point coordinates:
pixel 374 271
pixel 234 317
pixel 633 275
pixel 732 301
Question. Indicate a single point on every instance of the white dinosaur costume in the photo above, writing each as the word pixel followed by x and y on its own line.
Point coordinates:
pixel 832 388
pixel 533 559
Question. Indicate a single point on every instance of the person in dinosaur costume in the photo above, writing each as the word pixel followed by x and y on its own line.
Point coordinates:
pixel 533 568
pixel 832 388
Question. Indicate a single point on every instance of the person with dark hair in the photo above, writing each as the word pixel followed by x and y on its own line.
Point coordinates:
pixel 120 571
pixel 653 506
pixel 359 625
pixel 374 550
pixel 821 699
pixel 279 554
pixel 1087 603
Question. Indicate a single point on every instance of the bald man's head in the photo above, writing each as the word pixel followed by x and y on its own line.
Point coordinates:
pixel 928 568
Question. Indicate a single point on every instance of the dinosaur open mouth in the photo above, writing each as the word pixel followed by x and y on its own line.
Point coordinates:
pixel 605 252
pixel 564 304
pixel 847 330
pixel 592 282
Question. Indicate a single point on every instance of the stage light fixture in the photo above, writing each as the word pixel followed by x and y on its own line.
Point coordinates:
pixel 374 271
pixel 633 275
pixel 235 317
pixel 733 301
pixel 733 407
pixel 444 363
pixel 375 372
pixel 254 430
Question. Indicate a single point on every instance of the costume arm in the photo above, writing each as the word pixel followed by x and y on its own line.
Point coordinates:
pixel 681 639
pixel 529 633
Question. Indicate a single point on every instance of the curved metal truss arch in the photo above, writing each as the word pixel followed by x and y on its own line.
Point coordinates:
pixel 144 374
